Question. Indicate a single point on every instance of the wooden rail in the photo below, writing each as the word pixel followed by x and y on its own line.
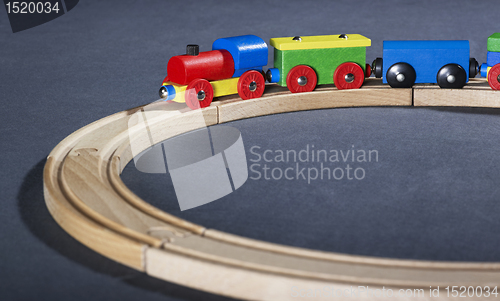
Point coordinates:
pixel 85 195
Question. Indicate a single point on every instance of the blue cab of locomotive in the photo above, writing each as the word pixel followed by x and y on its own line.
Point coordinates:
pixel 249 52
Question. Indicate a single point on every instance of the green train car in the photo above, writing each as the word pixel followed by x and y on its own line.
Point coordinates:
pixel 301 63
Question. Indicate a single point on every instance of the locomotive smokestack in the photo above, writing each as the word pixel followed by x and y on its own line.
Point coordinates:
pixel 192 49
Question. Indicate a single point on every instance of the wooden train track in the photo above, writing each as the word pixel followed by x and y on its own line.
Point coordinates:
pixel 85 195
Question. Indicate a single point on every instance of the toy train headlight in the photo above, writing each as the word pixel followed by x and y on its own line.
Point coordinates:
pixel 167 92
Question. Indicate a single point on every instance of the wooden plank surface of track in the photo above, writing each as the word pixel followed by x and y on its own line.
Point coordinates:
pixel 477 93
pixel 85 195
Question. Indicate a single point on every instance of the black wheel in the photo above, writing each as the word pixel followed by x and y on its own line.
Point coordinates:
pixel 377 67
pixel 401 75
pixel 473 67
pixel 451 76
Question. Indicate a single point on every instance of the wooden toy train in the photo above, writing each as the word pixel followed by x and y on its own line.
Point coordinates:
pixel 235 65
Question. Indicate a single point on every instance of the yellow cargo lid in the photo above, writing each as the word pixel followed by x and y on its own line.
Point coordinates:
pixel 317 42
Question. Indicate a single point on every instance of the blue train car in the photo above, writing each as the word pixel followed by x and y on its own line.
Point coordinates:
pixel 446 63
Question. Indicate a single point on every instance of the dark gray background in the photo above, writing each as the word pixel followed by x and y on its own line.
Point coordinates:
pixel 432 195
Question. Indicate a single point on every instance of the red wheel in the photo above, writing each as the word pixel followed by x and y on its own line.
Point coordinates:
pixel 199 94
pixel 301 78
pixel 348 76
pixel 368 70
pixel 494 77
pixel 251 85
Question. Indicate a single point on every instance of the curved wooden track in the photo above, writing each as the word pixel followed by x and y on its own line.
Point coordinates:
pixel 85 195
